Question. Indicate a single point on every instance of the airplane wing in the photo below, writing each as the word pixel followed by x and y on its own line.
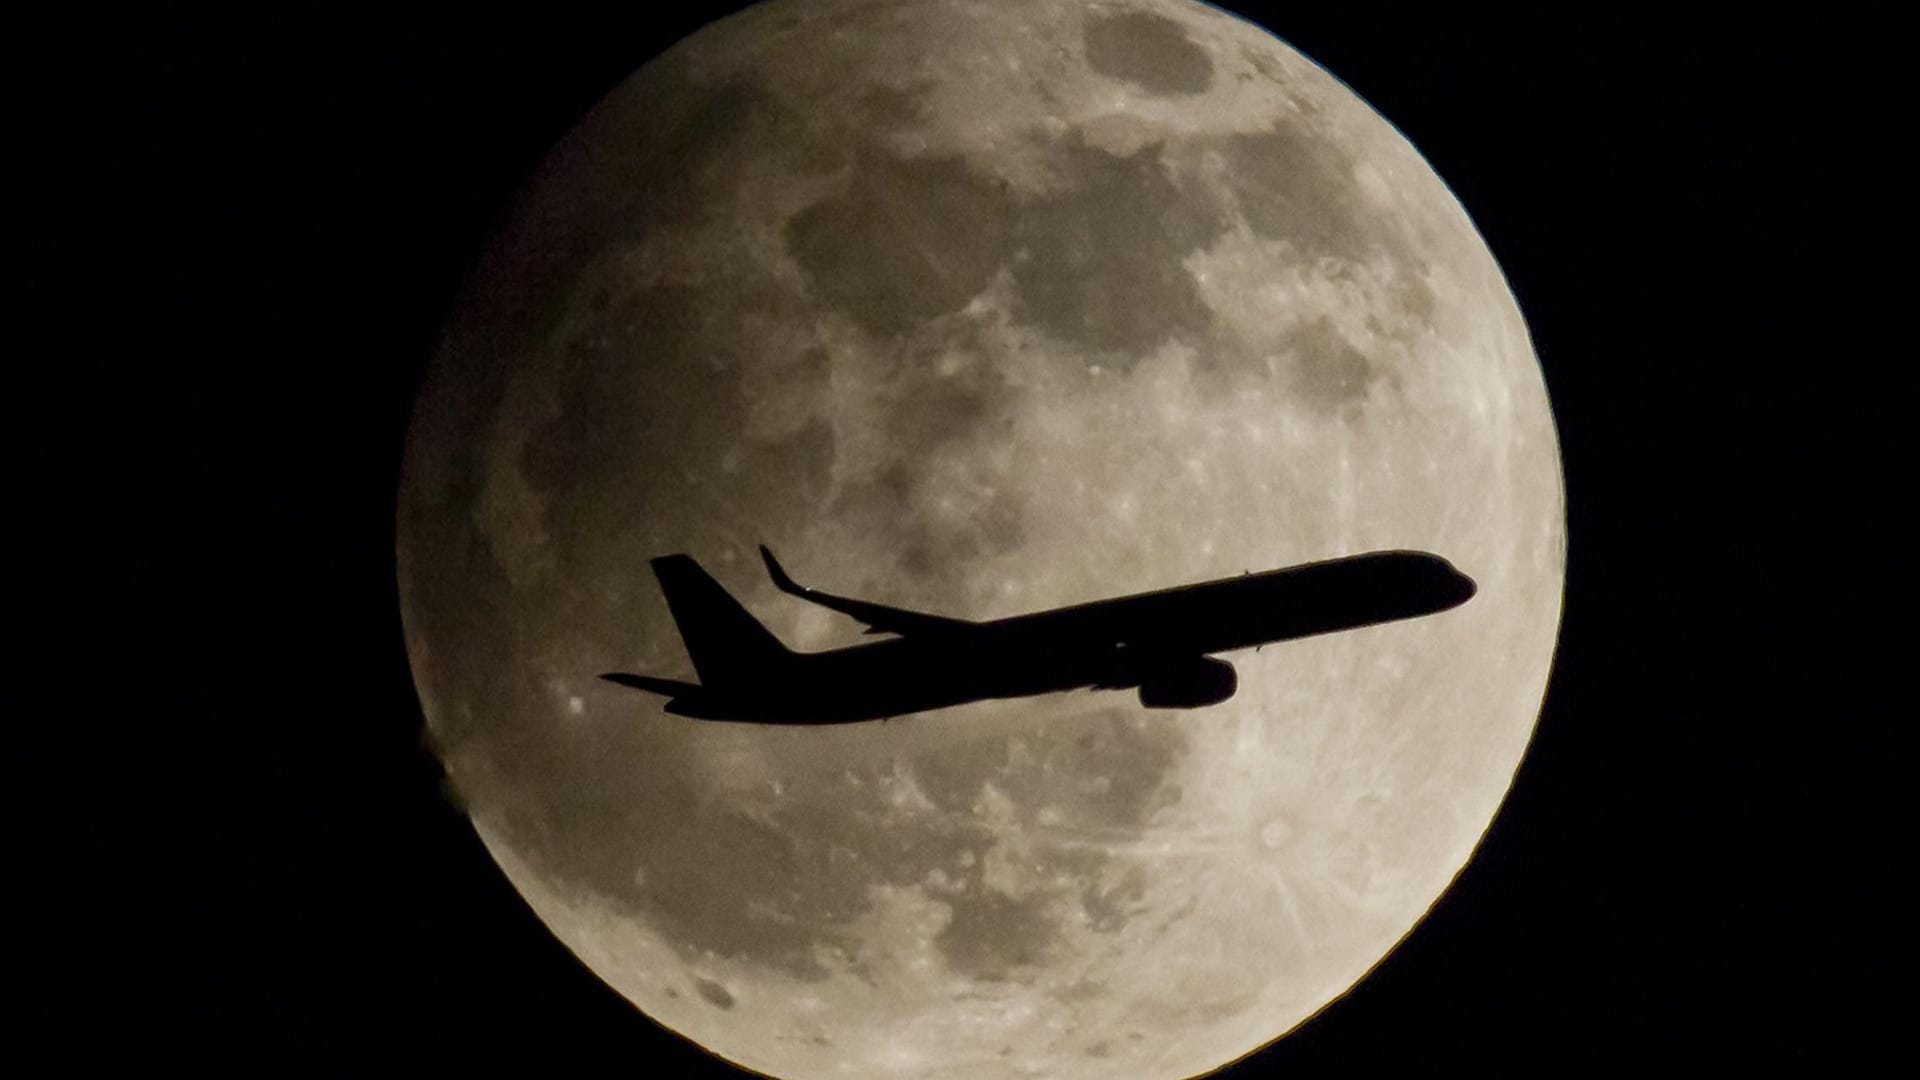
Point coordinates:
pixel 880 618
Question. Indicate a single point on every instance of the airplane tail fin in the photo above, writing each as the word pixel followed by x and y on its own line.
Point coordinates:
pixel 727 645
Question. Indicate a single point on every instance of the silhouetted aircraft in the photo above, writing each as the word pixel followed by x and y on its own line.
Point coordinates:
pixel 1157 642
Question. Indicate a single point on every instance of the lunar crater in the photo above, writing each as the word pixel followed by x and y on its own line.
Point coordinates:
pixel 714 993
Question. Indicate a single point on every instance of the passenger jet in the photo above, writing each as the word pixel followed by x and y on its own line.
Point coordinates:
pixel 1160 644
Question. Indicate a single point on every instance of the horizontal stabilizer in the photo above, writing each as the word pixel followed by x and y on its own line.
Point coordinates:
pixel 880 618
pixel 663 687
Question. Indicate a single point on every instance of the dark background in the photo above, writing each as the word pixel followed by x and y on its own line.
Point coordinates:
pixel 245 221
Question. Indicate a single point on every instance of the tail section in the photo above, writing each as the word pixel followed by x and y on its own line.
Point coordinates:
pixel 728 646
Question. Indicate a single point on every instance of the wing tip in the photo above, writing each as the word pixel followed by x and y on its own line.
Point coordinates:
pixel 778 573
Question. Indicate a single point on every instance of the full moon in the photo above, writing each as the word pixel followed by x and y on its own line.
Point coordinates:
pixel 979 308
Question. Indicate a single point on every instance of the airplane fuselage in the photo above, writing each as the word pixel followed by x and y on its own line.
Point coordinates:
pixel 1160 642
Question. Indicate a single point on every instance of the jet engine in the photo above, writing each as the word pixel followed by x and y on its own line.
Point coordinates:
pixel 1189 684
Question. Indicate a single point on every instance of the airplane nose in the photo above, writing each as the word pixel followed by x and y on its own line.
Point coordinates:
pixel 1463 588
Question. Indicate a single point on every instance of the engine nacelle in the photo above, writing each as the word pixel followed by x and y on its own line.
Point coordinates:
pixel 1189 684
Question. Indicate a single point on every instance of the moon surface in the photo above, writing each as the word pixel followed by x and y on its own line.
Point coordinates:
pixel 979 308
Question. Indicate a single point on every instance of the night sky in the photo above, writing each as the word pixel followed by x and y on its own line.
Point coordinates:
pixel 245 223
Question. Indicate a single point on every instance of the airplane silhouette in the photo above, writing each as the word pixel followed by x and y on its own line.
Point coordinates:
pixel 1158 643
